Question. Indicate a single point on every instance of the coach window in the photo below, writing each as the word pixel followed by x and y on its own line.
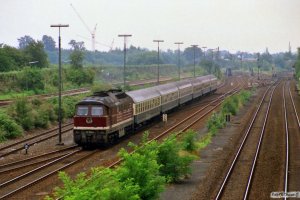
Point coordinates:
pixel 97 111
pixel 82 110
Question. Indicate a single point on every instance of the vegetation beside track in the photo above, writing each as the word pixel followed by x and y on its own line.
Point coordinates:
pixel 218 120
pixel 25 114
pixel 297 69
pixel 141 175
pixel 230 107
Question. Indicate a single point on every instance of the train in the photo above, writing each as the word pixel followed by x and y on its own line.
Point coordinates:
pixel 106 116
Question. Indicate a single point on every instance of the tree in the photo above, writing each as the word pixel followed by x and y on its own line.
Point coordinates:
pixel 24 41
pixel 76 58
pixel 11 58
pixel 35 52
pixel 48 42
pixel 77 45
pixel 188 54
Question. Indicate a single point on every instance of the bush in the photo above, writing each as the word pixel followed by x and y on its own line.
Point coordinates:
pixel 173 166
pixel 21 112
pixel 230 107
pixel 80 76
pixel 31 79
pixel 216 121
pixel 102 184
pixel 143 169
pixel 9 129
pixel 189 141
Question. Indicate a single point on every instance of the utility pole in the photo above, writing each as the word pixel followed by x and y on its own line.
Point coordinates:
pixel 212 61
pixel 158 41
pixel 59 80
pixel 241 61
pixel 178 43
pixel 194 47
pixel 258 65
pixel 204 51
pixel 124 69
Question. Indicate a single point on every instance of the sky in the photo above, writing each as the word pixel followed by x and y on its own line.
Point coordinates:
pixel 234 25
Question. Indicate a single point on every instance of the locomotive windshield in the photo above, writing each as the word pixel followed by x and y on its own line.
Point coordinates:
pixel 82 110
pixel 97 111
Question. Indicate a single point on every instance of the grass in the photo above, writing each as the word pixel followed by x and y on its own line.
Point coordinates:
pixel 204 141
pixel 14 94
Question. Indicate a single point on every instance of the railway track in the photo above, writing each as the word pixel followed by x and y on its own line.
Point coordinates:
pixel 15 185
pixel 18 146
pixel 292 132
pixel 242 167
pixel 35 160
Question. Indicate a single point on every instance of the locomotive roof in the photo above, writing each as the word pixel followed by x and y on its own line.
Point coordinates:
pixel 108 98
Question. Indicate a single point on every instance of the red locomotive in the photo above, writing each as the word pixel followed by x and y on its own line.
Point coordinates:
pixel 103 118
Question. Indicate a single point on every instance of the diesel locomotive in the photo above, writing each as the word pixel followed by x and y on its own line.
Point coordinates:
pixel 106 116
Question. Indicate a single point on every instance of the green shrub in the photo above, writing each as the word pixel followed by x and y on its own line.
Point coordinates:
pixel 102 184
pixel 230 106
pixel 31 79
pixel 9 129
pixel 21 112
pixel 80 76
pixel 143 169
pixel 216 121
pixel 189 141
pixel 173 166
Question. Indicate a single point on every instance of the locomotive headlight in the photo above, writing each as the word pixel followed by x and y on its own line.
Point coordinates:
pixel 89 120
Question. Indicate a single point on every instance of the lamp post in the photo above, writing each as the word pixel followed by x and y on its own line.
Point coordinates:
pixel 124 69
pixel 178 43
pixel 194 47
pixel 241 57
pixel 59 80
pixel 212 61
pixel 204 51
pixel 30 64
pixel 158 41
pixel 258 65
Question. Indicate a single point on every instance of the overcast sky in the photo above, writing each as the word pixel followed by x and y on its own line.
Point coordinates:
pixel 245 25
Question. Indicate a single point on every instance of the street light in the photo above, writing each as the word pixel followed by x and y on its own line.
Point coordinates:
pixel 241 57
pixel 30 63
pixel 194 47
pixel 59 80
pixel 33 62
pixel 204 50
pixel 178 43
pixel 258 65
pixel 125 37
pixel 158 41
pixel 212 61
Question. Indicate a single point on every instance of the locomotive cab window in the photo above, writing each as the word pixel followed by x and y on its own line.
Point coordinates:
pixel 82 110
pixel 97 111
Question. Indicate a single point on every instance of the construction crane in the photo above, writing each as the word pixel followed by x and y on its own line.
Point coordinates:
pixel 96 42
pixel 92 32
